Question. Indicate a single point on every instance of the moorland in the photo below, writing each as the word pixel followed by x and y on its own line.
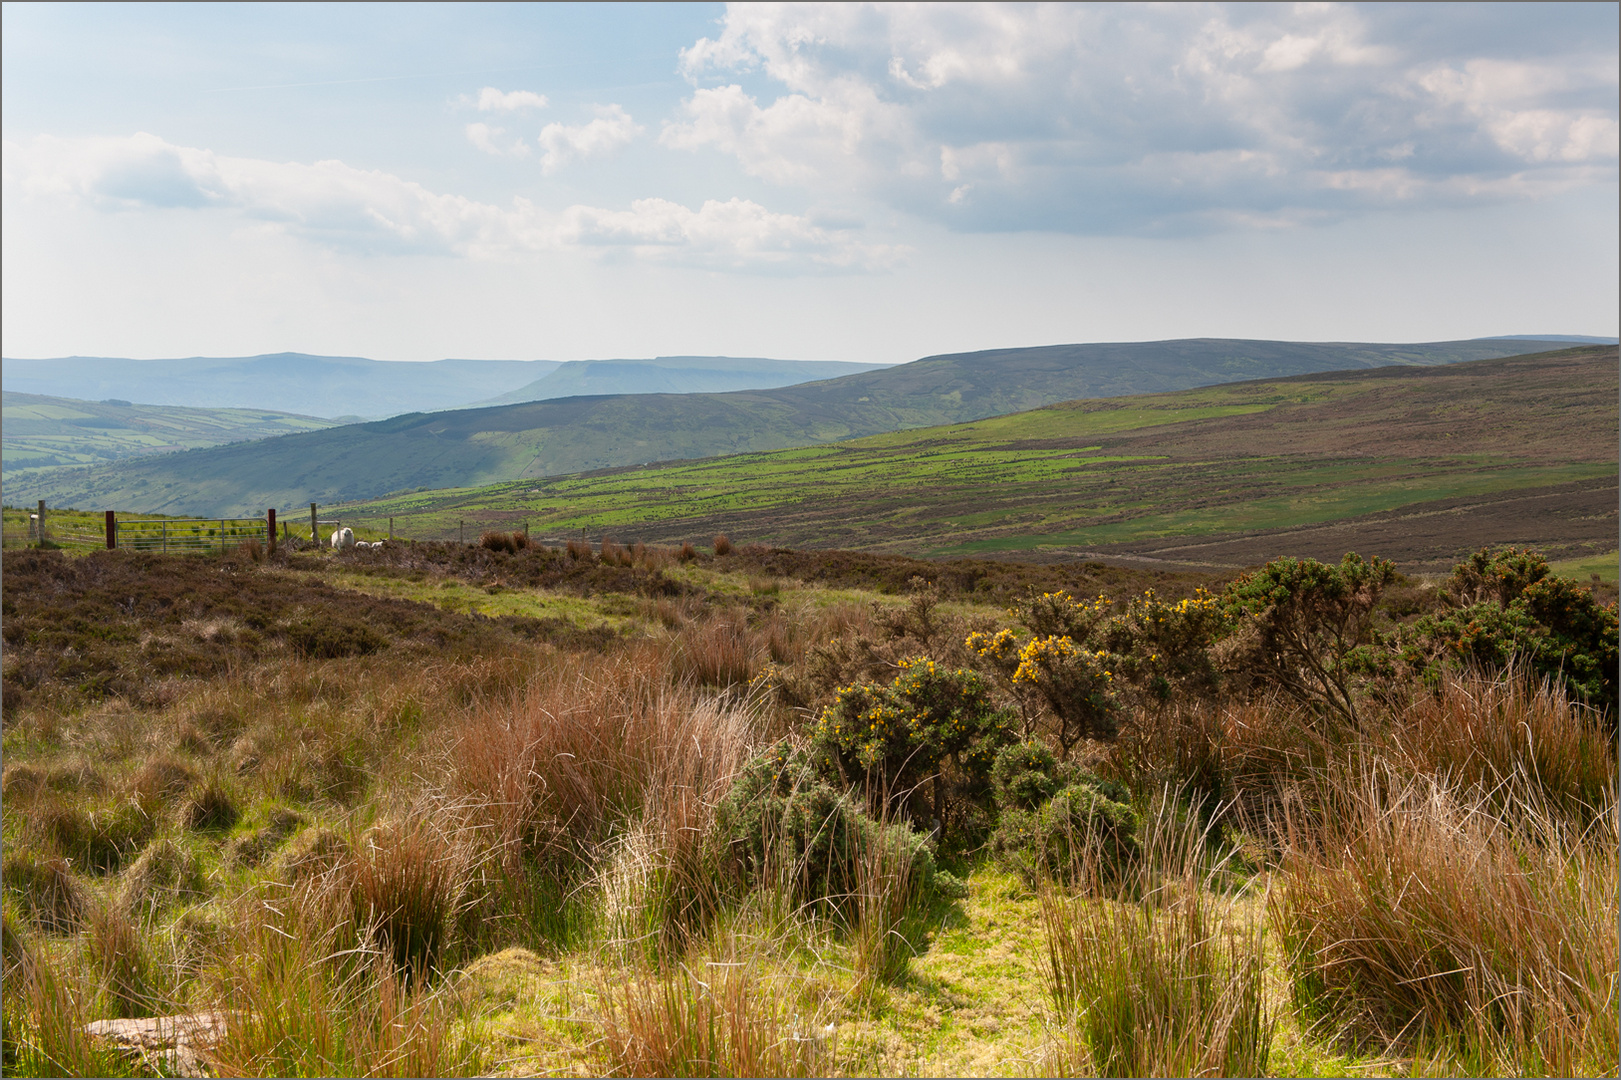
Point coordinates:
pixel 1422 464
pixel 460 447
pixel 441 809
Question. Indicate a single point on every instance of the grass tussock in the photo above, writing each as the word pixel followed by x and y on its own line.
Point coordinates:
pixel 1161 975
pixel 1431 921
pixel 723 1018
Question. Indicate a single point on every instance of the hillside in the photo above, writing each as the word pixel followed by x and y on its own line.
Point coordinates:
pixel 1415 464
pixel 676 375
pixel 470 447
pixel 44 433
pixel 329 386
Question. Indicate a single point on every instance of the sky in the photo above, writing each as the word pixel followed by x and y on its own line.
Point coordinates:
pixel 842 182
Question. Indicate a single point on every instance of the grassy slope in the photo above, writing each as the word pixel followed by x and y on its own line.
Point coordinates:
pixel 1238 457
pixel 549 438
pixel 675 375
pixel 41 432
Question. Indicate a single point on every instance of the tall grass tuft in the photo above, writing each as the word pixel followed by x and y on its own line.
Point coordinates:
pixel 1504 734
pixel 719 651
pixel 311 1000
pixel 409 881
pixel 886 893
pixel 725 1019
pixel 1148 977
pixel 1484 938
pixel 723 545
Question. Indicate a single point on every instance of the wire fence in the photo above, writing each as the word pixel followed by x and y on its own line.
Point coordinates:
pixel 170 534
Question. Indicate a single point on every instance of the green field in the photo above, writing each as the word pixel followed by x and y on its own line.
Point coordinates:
pixel 1234 459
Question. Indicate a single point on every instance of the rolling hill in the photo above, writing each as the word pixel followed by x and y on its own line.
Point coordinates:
pixel 354 387
pixel 675 375
pixel 42 433
pixel 1416 464
pixel 468 447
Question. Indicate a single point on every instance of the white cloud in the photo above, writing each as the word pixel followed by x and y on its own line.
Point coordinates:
pixel 1147 118
pixel 732 234
pixel 492 100
pixel 563 143
pixel 342 207
pixel 485 137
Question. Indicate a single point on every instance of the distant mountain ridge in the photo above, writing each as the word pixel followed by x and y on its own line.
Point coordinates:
pixel 353 386
pixel 468 447
pixel 676 375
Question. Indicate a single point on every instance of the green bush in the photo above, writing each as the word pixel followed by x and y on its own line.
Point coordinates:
pixel 899 736
pixel 1061 838
pixel 782 824
pixel 1517 612
pixel 1304 627
pixel 1024 776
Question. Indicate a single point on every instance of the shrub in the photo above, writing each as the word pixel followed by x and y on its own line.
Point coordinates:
pixel 1024 775
pixel 723 546
pixel 1301 627
pixel 1077 832
pixel 782 825
pixel 688 552
pixel 1519 613
pixel 1077 684
pixel 899 736
pixel 330 637
pixel 48 891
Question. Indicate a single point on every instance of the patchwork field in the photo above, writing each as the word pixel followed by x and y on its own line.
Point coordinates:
pixel 1420 464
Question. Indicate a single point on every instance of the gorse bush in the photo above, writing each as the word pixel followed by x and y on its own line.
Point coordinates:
pixel 783 826
pixel 1079 831
pixel 898 737
pixel 1515 612
pixel 1304 627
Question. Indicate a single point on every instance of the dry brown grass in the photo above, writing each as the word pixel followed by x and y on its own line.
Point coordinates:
pixel 1507 734
pixel 1420 913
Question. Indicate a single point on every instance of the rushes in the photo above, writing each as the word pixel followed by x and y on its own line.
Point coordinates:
pixel 1169 985
pixel 726 1019
pixel 1490 940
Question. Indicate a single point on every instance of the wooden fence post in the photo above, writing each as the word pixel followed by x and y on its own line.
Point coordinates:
pixel 315 530
pixel 391 528
pixel 461 526
pixel 112 530
pixel 270 529
pixel 42 521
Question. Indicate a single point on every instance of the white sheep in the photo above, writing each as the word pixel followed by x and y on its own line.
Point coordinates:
pixel 343 538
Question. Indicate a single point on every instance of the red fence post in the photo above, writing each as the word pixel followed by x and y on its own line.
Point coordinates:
pixel 270 530
pixel 112 530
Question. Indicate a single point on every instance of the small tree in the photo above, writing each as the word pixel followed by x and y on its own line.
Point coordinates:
pixel 1301 624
